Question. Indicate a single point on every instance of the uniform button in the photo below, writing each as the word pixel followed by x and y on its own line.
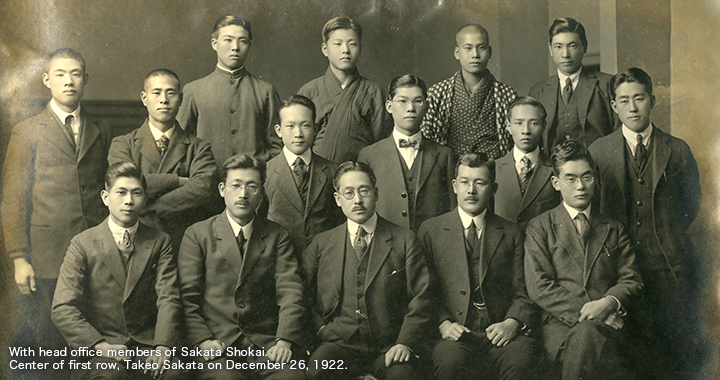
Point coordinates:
pixel 641 181
pixel 639 224
pixel 520 219
pixel 234 131
pixel 403 195
pixel 241 305
pixel 404 213
pixel 337 298
pixel 639 203
pixel 232 82
pixel 232 111
pixel 638 242
pixel 84 212
pixel 462 292
pixel 409 179
pixel 411 192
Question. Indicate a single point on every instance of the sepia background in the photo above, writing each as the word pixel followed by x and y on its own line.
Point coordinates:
pixel 675 41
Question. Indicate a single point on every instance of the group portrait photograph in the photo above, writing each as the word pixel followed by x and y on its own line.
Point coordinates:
pixel 371 190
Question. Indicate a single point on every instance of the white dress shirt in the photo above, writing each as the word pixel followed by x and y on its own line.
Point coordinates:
pixel 518 154
pixel 246 229
pixel 118 231
pixel 408 153
pixel 157 133
pixel 291 157
pixel 574 79
pixel 369 227
pixel 631 136
pixel 62 115
pixel 466 219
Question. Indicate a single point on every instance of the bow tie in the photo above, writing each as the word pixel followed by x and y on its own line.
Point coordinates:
pixel 408 144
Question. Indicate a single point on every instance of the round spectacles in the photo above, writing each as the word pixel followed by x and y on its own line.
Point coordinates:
pixel 477 184
pixel 349 194
pixel 250 189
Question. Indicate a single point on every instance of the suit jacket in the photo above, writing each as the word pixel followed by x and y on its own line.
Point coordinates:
pixel 676 189
pixel 51 192
pixel 287 209
pixel 170 207
pixel 397 287
pixel 594 110
pixel 435 193
pixel 95 300
pixel 501 273
pixel 226 296
pixel 540 196
pixel 562 275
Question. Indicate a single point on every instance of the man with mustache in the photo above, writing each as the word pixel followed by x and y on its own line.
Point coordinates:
pixel 467 111
pixel 368 288
pixel 179 167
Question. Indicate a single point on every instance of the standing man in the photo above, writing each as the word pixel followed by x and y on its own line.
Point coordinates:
pixel 649 180
pixel 368 288
pixel 467 111
pixel 478 257
pixel 230 108
pixel 577 100
pixel 52 179
pixel 240 283
pixel 179 167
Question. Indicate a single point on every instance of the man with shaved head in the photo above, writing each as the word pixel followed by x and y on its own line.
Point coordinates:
pixel 467 111
pixel 179 167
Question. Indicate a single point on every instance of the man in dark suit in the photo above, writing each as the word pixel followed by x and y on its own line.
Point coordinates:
pixel 577 100
pixel 368 288
pixel 649 181
pixel 478 257
pixel 413 173
pixel 179 167
pixel 299 182
pixel 523 175
pixel 580 269
pixel 240 284
pixel 52 176
pixel 117 288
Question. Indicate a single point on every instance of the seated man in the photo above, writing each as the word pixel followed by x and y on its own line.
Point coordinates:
pixel 240 284
pixel 369 288
pixel 478 258
pixel 580 269
pixel 523 175
pixel 117 290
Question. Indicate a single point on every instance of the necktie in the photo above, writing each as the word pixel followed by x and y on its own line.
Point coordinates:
pixel 241 243
pixel 472 236
pixel 408 143
pixel 360 243
pixel 126 248
pixel 567 91
pixel 639 151
pixel 162 144
pixel 526 171
pixel 68 125
pixel 300 173
pixel 582 226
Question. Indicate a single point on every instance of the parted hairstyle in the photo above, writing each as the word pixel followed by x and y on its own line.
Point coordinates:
pixel 123 169
pixel 631 75
pixel 231 20
pixel 298 100
pixel 64 53
pixel 476 160
pixel 569 150
pixel 351 166
pixel 479 28
pixel 342 22
pixel 568 25
pixel 527 101
pixel 407 80
pixel 162 72
pixel 243 161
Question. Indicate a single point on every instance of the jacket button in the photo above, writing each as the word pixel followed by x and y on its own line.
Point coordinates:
pixel 404 213
pixel 462 292
pixel 641 181
pixel 403 195
pixel 232 111
pixel 241 305
pixel 459 312
pixel 337 298
pixel 520 219
pixel 234 131
pixel 639 203
pixel 639 224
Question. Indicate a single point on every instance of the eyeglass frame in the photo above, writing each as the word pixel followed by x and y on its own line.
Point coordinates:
pixel 359 192
pixel 575 180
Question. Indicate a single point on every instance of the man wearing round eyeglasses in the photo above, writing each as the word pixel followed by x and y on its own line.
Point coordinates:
pixel 580 269
pixel 240 284
pixel 369 288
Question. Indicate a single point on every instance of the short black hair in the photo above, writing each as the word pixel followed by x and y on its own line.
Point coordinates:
pixel 163 72
pixel 243 161
pixel 123 169
pixel 476 160
pixel 64 53
pixel 342 22
pixel 298 100
pixel 407 80
pixel 527 101
pixel 352 166
pixel 231 20
pixel 568 25
pixel 479 28
pixel 569 150
pixel 631 75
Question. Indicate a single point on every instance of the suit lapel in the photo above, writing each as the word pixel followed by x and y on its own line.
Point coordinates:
pixel 148 147
pixel 586 86
pixel 319 175
pixel 177 150
pixel 428 156
pixel 507 176
pixel 380 249
pixel 337 254
pixel 454 240
pixel 540 176
pixel 550 97
pixel 88 133
pixel 662 155
pixel 56 133
pixel 286 184
pixel 255 248
pixel 565 230
pixel 139 259
pixel 616 157
pixel 392 161
pixel 227 244
pixel 595 240
pixel 107 248
pixel 489 241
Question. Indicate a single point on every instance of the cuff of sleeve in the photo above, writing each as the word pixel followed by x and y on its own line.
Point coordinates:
pixel 620 309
